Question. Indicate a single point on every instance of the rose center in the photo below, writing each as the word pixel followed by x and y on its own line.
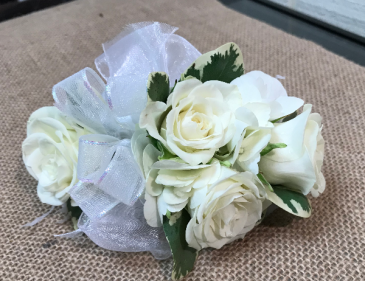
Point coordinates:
pixel 194 125
pixel 50 167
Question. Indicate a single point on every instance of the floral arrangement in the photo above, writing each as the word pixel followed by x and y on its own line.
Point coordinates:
pixel 177 152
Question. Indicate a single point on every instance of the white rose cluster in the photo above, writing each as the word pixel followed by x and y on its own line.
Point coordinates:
pixel 50 153
pixel 215 134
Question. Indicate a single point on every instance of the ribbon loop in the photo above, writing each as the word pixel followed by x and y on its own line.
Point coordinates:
pixel 123 179
pixel 108 175
pixel 128 59
pixel 138 49
pixel 95 153
pixel 80 96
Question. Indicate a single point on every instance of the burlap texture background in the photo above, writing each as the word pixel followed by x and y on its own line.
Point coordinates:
pixel 41 49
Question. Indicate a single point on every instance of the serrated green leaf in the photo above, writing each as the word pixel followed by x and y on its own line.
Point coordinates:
pixel 158 86
pixel 192 71
pixel 291 201
pixel 166 154
pixel 265 182
pixel 223 64
pixel 272 146
pixel 183 255
pixel 223 67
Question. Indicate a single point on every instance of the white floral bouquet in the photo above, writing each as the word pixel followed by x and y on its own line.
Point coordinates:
pixel 177 152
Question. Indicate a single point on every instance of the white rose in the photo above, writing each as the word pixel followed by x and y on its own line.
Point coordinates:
pixel 171 185
pixel 231 208
pixel 50 153
pixel 198 119
pixel 264 99
pixel 260 90
pixel 298 166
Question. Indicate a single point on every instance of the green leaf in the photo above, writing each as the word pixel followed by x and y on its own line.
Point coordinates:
pixel 193 72
pixel 158 86
pixel 166 154
pixel 265 182
pixel 286 118
pixel 163 117
pixel 183 255
pixel 276 120
pixel 75 221
pixel 75 212
pixel 272 146
pixel 223 152
pixel 153 141
pixel 223 64
pixel 290 116
pixel 172 89
pixel 225 163
pixel 291 201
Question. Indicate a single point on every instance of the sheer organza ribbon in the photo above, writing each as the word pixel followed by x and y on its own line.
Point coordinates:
pixel 110 181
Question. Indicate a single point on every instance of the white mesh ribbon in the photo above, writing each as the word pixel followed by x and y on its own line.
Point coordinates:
pixel 124 228
pixel 110 181
pixel 80 96
pixel 108 175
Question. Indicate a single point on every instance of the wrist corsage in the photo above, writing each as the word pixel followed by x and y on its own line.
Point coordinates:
pixel 172 151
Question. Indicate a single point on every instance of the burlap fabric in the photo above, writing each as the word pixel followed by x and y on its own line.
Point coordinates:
pixel 41 49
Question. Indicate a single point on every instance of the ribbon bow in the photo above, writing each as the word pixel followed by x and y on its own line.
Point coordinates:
pixel 110 181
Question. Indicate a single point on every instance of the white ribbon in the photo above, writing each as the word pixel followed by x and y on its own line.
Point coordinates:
pixel 39 219
pixel 108 175
pixel 110 180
